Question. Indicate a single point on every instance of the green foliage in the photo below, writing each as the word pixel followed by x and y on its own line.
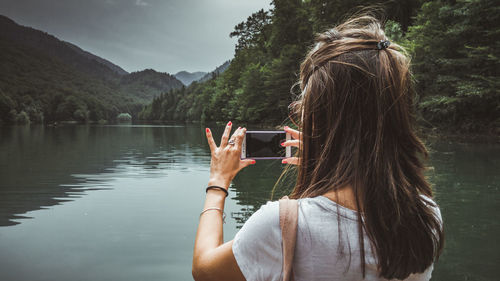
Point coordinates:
pixel 72 108
pixel 256 86
pixel 22 118
pixel 328 13
pixel 124 117
pixel 254 32
pixel 6 105
pixel 393 31
pixel 454 47
pixel 249 104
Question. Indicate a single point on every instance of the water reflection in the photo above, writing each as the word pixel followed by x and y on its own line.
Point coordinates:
pixel 254 187
pixel 466 181
pixel 45 166
pixel 139 190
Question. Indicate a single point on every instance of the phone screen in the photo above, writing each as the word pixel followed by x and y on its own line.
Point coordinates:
pixel 262 144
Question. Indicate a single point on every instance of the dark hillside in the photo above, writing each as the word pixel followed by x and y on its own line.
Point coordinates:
pixel 51 46
pixel 148 83
pixel 44 79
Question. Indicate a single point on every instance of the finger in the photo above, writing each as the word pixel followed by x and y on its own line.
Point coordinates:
pixel 225 135
pixel 295 143
pixel 238 136
pixel 246 162
pixel 294 133
pixel 210 138
pixel 291 160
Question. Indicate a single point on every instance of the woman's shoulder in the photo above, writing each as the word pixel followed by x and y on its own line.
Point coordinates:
pixel 268 213
pixel 259 242
pixel 262 223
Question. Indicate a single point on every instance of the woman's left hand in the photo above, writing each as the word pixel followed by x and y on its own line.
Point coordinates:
pixel 226 162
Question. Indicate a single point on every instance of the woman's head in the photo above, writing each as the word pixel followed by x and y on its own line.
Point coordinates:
pixel 356 103
pixel 356 118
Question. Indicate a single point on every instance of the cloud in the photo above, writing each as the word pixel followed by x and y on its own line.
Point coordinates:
pixel 141 3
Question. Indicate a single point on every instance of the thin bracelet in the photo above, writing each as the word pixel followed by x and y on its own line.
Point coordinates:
pixel 217 187
pixel 217 209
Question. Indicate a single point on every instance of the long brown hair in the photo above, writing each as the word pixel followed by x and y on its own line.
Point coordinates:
pixel 358 128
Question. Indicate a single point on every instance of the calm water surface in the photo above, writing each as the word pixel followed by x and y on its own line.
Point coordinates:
pixel 122 202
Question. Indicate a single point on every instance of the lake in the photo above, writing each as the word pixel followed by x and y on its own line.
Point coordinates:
pixel 122 202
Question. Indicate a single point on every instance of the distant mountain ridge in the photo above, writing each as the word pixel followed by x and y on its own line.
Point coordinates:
pixel 167 107
pixel 91 56
pixel 45 79
pixel 218 70
pixel 189 77
pixel 52 46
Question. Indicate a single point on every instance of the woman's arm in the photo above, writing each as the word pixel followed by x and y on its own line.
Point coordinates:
pixel 213 260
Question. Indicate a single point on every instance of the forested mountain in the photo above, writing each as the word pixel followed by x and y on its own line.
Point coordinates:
pixel 174 105
pixel 53 47
pixel 216 72
pixel 148 83
pixel 45 79
pixel 454 47
pixel 189 77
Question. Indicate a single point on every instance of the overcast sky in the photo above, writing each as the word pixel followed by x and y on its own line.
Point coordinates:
pixel 166 35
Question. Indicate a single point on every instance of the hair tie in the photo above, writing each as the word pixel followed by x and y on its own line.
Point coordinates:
pixel 219 188
pixel 383 44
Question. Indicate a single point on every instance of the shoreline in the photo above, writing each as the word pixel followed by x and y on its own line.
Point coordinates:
pixel 439 134
pixel 425 133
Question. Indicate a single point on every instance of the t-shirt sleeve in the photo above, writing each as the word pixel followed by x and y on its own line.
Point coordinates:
pixel 257 245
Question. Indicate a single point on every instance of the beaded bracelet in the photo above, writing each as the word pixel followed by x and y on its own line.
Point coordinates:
pixel 217 187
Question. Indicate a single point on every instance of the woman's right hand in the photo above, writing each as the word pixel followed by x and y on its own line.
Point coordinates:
pixel 295 141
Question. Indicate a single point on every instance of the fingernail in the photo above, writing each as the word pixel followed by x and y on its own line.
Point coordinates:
pixel 282 144
pixel 239 128
pixel 286 127
pixel 283 161
pixel 208 130
pixel 253 162
pixel 229 123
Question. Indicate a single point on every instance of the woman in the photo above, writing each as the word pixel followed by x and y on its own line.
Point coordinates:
pixel 365 208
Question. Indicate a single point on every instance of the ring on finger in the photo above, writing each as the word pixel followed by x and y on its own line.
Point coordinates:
pixel 231 142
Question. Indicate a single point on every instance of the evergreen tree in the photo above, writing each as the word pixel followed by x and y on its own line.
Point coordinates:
pixel 456 61
pixel 454 47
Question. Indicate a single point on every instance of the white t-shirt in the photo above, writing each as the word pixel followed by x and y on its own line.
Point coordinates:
pixel 321 252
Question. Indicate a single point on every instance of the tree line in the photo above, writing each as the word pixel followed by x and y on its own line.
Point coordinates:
pixel 454 47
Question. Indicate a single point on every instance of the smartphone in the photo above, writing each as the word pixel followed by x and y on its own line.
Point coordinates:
pixel 265 145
